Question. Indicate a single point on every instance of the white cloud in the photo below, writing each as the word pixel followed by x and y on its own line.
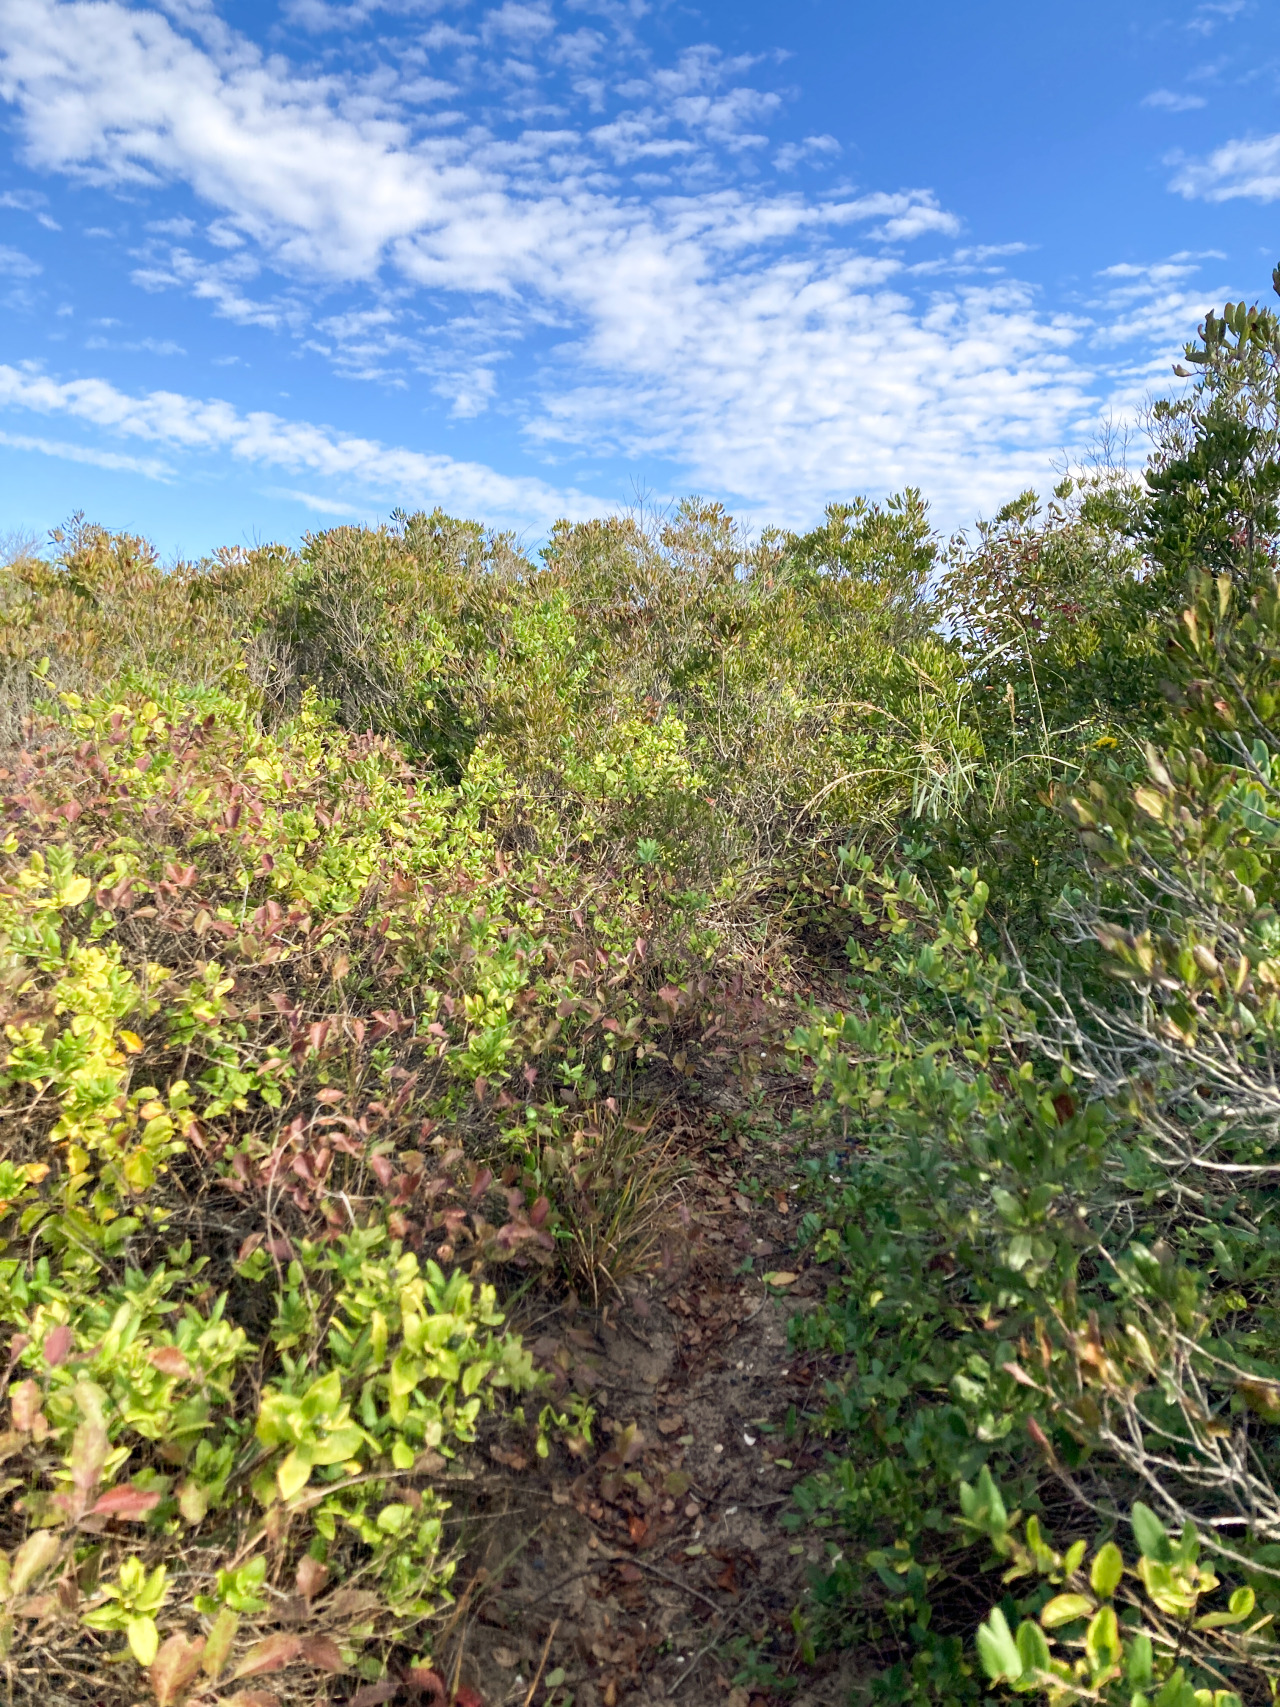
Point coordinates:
pixel 322 15
pixel 1210 16
pixel 760 343
pixel 833 377
pixel 216 282
pixel 322 506
pixel 1170 101
pixel 32 202
pixel 1156 305
pixel 16 264
pixel 1237 169
pixel 518 21
pixel 813 148
pixel 201 426
pixel 146 466
pixel 138 346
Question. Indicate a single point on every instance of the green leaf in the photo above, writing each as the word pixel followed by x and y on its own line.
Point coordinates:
pixel 999 1653
pixel 1102 1639
pixel 1175 1690
pixel 406 1372
pixel 1150 1534
pixel 1107 1570
pixel 1032 1647
pixel 151 1597
pixel 337 1447
pixel 1140 1668
pixel 1240 1606
pixel 323 1397
pixel 218 1644
pixel 143 1638
pixel 1063 1608
pixel 293 1474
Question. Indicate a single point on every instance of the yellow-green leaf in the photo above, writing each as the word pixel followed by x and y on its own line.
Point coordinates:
pixel 1063 1608
pixel 293 1475
pixel 219 1642
pixel 1108 1568
pixel 144 1639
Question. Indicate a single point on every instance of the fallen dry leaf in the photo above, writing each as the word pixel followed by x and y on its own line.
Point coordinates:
pixel 322 1652
pixel 175 1666
pixel 311 1577
pixel 670 1425
pixel 780 1277
pixel 169 1360
pixel 353 1603
pixel 512 1460
pixel 507 1658
pixel 272 1655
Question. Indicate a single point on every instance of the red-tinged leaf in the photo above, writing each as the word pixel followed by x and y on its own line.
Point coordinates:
pixel 89 1448
pixel 1038 1435
pixel 481 1183
pixel 24 1403
pixel 174 1667
pixel 57 1344
pixel 322 1652
pixel 128 1503
pixel 17 1345
pixel 168 1360
pixel 1020 1375
pixel 467 1697
pixel 311 1577
pixel 428 1683
pixel 274 1654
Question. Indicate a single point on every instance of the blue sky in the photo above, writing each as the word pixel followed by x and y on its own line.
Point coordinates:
pixel 269 266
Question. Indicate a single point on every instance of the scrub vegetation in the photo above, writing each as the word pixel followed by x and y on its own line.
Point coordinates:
pixel 377 921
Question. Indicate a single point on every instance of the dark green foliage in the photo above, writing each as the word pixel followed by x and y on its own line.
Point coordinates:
pixel 1052 1236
